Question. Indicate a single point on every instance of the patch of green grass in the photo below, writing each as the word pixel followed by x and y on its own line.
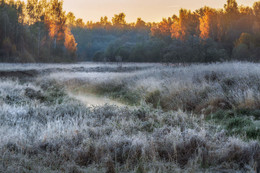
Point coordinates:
pixel 54 94
pixel 119 92
pixel 126 96
pixel 154 98
pixel 249 112
pixel 243 122
pixel 238 122
pixel 253 132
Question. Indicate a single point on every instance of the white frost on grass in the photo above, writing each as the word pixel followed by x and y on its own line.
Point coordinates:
pixel 236 82
pixel 42 66
pixel 66 135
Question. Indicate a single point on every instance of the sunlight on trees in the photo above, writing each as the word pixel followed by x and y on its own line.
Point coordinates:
pixel 42 31
pixel 119 20
pixel 38 29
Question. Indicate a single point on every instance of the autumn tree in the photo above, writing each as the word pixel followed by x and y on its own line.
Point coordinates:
pixel 231 8
pixel 71 19
pixel 186 25
pixel 163 29
pixel 140 23
pixel 104 21
pixel 176 31
pixel 209 23
pixel 80 23
pixel 119 20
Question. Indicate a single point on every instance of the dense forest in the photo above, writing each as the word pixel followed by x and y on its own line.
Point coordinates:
pixel 41 31
pixel 35 32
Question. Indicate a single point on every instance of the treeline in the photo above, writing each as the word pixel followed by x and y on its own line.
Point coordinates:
pixel 41 31
pixel 204 35
pixel 35 32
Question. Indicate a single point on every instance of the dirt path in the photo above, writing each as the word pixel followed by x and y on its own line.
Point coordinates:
pixel 93 100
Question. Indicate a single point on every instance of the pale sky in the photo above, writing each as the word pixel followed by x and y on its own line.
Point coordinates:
pixel 148 10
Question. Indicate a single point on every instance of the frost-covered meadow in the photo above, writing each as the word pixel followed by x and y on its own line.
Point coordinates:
pixel 163 118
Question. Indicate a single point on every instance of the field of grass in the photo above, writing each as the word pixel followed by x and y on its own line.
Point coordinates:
pixel 197 118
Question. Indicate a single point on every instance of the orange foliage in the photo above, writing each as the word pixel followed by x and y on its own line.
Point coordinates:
pixel 70 42
pixel 176 31
pixel 205 26
pixel 62 33
pixel 208 24
pixel 185 25
pixel 52 29
pixel 163 28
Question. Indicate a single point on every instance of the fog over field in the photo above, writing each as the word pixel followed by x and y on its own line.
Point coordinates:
pixel 122 117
